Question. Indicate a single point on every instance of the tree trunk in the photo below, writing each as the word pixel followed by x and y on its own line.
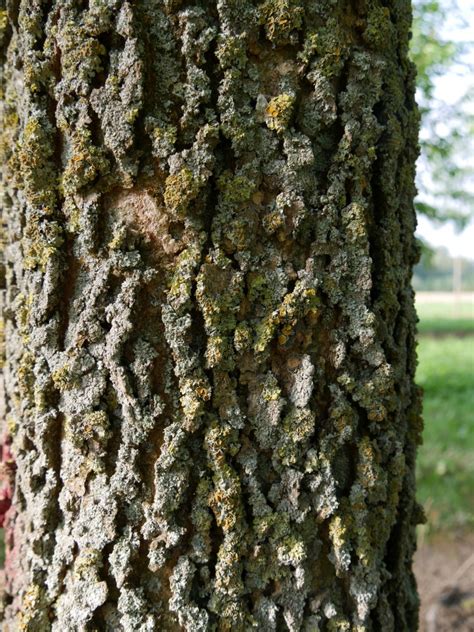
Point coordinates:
pixel 209 323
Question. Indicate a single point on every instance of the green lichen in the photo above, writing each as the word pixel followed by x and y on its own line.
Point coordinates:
pixel 180 285
pixel 310 47
pixel 231 51
pixel 379 31
pixel 180 191
pixel 332 45
pixel 235 189
pixel 195 391
pixel 291 551
pixel 96 426
pixel 202 521
pixel 163 138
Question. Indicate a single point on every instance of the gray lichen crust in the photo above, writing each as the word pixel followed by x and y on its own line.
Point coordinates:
pixel 209 322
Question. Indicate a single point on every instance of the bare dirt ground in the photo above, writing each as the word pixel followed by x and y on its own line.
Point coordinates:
pixel 444 568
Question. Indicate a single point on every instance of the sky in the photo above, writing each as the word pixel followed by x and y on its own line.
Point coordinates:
pixel 450 87
pixel 459 244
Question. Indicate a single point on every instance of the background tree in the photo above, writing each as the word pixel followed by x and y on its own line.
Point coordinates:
pixel 208 314
pixel 447 125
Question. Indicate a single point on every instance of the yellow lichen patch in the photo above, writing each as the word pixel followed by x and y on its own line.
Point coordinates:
pixel 85 163
pixel 216 348
pixel 291 550
pixel 11 425
pixel 339 533
pixel 95 425
pixel 221 439
pixel 180 190
pixel 195 391
pixel 32 165
pixel 3 22
pixel 339 623
pixel 163 139
pixel 265 331
pixel 219 292
pixel 86 563
pixel 40 243
pixel 181 282
pixel 271 391
pixel 226 501
pixel 32 602
pixel 280 18
pixel 63 378
pixel 297 427
pixel 368 469
pixel 302 302
pixel 40 398
pixel 22 316
pixel 273 221
pixel 279 111
pixel 201 516
pixel 242 337
pixel 26 376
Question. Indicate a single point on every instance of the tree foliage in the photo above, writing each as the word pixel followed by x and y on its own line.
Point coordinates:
pixel 447 124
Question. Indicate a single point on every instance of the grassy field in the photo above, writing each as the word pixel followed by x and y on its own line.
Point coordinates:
pixel 439 316
pixel 446 372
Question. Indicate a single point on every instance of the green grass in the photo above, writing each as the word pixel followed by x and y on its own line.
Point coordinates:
pixel 439 318
pixel 445 461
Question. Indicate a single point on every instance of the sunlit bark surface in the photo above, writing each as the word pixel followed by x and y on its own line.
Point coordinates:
pixel 209 325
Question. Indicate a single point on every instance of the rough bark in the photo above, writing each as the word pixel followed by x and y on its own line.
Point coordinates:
pixel 209 321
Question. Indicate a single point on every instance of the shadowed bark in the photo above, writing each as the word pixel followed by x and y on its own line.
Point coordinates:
pixel 209 324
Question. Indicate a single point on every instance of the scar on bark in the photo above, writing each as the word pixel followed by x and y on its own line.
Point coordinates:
pixel 142 210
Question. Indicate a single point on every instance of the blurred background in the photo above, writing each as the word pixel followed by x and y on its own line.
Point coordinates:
pixel 443 50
